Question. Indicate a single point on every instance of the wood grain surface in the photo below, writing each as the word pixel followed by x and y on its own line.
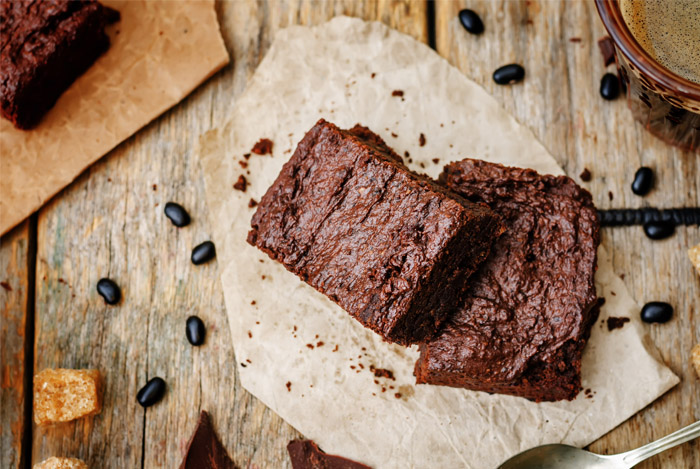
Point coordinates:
pixel 109 223
pixel 559 101
pixel 14 296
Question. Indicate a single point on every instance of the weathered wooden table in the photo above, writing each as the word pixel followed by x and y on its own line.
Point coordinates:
pixel 109 222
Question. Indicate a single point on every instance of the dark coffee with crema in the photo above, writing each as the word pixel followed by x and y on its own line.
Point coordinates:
pixel 669 30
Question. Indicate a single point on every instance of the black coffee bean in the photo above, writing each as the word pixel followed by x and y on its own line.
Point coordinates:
pixel 195 330
pixel 203 253
pixel 471 21
pixel 643 181
pixel 152 392
pixel 657 311
pixel 109 291
pixel 508 74
pixel 659 229
pixel 177 214
pixel 609 86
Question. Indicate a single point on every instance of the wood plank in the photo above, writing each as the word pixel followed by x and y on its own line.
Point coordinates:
pixel 14 293
pixel 559 101
pixel 109 222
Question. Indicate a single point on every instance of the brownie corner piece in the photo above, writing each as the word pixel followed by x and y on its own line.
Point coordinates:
pixel 389 246
pixel 527 313
pixel 45 45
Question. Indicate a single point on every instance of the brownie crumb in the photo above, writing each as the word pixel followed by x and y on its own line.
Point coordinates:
pixel 6 286
pixel 616 323
pixel 244 164
pixel 613 293
pixel 610 195
pixel 373 75
pixel 607 49
pixel 248 360
pixel 252 203
pixel 243 365
pixel 398 93
pixel 262 147
pixel 406 154
pixel 585 175
pixel 241 184
pixel 289 386
pixel 252 302
pixel 320 343
pixel 436 160
pixel 336 348
pixel 352 367
pixel 397 395
pixel 422 165
pixel 295 328
pixel 383 389
pixel 155 187
pixel 262 277
pixel 575 39
pixel 382 372
pixel 246 155
pixel 311 346
pixel 421 140
pixel 250 335
pixel 622 276
pixel 394 135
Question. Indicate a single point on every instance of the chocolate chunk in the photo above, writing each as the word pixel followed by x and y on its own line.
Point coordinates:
pixel 205 451
pixel 585 175
pixel 109 290
pixel 262 147
pixel 421 140
pixel 152 392
pixel 398 93
pixel 203 253
pixel 616 323
pixel 177 214
pixel 241 184
pixel 509 74
pixel 305 454
pixel 607 49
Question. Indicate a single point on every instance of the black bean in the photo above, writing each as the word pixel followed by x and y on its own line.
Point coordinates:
pixel 657 311
pixel 177 214
pixel 152 392
pixel 609 86
pixel 471 21
pixel 109 291
pixel 203 253
pixel 195 330
pixel 643 181
pixel 659 229
pixel 508 74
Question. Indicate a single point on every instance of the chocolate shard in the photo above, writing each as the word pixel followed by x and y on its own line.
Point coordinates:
pixel 205 451
pixel 305 454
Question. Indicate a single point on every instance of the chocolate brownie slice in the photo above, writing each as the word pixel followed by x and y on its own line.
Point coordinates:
pixel 391 247
pixel 528 311
pixel 44 46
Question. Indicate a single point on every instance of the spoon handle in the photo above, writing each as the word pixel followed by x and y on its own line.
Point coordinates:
pixel 662 444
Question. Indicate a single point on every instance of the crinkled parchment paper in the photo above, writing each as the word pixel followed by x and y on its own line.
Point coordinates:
pixel 286 332
pixel 160 51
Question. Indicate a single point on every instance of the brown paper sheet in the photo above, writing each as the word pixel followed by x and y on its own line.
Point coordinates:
pixel 327 71
pixel 160 52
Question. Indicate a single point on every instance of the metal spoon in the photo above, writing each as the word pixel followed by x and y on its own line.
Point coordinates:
pixel 568 457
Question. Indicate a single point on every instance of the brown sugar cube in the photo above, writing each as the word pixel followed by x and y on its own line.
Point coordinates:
pixel 61 463
pixel 694 255
pixel 62 395
pixel 695 358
